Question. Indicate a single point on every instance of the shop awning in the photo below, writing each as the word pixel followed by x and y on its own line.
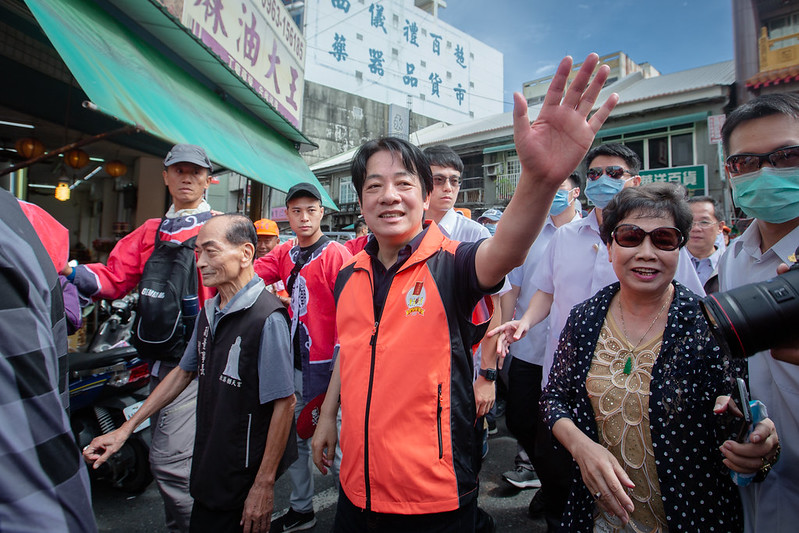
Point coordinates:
pixel 129 79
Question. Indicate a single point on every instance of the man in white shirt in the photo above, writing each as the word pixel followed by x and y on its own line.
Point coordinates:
pixel 447 168
pixel 762 137
pixel 702 248
pixel 525 367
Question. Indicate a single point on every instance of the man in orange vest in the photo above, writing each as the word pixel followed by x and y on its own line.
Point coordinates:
pixel 403 378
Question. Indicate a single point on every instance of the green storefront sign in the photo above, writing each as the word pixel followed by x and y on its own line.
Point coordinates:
pixel 693 177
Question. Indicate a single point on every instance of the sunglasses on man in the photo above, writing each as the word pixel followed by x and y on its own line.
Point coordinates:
pixel 454 181
pixel 615 172
pixel 785 157
pixel 664 238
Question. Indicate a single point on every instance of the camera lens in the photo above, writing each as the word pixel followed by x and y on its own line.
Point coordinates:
pixel 755 317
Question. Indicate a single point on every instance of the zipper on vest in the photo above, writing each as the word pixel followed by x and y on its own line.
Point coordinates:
pixel 438 421
pixel 247 445
pixel 373 344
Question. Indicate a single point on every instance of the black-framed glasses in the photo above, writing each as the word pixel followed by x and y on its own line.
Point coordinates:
pixel 785 157
pixel 614 171
pixel 454 181
pixel 664 238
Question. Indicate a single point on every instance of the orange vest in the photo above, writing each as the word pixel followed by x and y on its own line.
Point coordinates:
pixel 408 435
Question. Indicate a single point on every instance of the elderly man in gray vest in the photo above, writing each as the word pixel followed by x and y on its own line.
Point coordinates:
pixel 240 351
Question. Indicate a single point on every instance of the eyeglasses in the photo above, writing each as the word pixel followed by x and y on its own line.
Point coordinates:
pixel 664 238
pixel 615 172
pixel 454 181
pixel 785 157
pixel 704 224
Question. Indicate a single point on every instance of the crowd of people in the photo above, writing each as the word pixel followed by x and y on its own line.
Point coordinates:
pixel 617 392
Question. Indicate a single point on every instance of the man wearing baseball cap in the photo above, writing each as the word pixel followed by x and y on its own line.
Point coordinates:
pixel 268 236
pixel 489 219
pixel 308 268
pixel 186 175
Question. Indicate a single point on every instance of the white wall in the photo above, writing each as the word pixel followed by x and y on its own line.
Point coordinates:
pixel 481 75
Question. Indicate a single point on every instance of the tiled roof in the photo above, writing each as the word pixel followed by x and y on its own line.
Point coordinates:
pixel 773 77
pixel 679 82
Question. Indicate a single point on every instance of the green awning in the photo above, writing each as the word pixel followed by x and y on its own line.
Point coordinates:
pixel 129 79
pixel 654 124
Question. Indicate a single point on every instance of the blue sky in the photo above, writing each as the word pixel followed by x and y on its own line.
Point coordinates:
pixel 534 35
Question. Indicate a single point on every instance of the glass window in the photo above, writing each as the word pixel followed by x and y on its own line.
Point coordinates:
pixel 346 192
pixel 658 152
pixel 637 147
pixel 682 150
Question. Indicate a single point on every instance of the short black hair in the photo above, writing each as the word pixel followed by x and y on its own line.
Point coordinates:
pixel 763 106
pixel 651 200
pixel 412 159
pixel 360 223
pixel 442 155
pixel 240 229
pixel 710 200
pixel 574 179
pixel 630 158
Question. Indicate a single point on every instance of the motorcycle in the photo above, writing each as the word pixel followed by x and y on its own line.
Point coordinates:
pixel 105 389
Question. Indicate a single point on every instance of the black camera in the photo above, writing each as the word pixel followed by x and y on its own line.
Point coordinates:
pixel 755 317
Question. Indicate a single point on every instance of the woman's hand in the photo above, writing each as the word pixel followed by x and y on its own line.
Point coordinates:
pixel 748 457
pixel 605 478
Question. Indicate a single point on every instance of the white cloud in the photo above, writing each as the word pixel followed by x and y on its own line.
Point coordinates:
pixel 546 69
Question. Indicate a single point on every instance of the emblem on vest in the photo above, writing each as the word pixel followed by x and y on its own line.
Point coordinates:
pixel 230 375
pixel 415 300
pixel 201 347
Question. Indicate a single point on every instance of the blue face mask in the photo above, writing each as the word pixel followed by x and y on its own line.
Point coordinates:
pixel 561 202
pixel 492 228
pixel 602 190
pixel 768 194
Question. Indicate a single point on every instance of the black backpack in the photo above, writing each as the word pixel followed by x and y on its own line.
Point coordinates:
pixel 161 331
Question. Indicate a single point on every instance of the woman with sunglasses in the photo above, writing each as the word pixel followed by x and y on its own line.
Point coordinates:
pixel 632 391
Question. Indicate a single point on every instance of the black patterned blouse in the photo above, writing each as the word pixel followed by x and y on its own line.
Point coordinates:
pixel 688 375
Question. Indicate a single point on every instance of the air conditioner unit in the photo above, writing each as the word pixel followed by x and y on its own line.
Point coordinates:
pixel 493 169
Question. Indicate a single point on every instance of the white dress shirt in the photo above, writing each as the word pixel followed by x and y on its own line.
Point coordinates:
pixel 772 505
pixel 532 347
pixel 575 266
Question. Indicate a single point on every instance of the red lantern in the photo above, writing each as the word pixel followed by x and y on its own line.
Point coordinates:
pixel 115 168
pixel 76 158
pixel 29 147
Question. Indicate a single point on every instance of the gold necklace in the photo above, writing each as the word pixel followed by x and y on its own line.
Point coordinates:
pixel 628 363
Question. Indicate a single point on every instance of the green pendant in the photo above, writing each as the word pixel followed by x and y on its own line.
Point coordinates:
pixel 628 365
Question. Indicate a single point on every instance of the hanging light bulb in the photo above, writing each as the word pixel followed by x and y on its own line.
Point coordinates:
pixel 62 191
pixel 115 168
pixel 76 158
pixel 29 147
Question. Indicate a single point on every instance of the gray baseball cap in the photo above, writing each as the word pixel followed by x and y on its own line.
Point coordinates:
pixel 491 215
pixel 187 153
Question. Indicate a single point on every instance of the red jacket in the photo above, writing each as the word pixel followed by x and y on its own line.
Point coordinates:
pixel 125 264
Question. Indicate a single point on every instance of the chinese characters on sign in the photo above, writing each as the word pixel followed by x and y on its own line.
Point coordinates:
pixel 692 177
pixel 409 49
pixel 260 42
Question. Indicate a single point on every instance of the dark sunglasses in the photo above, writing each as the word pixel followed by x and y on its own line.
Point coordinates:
pixel 615 172
pixel 786 157
pixel 439 181
pixel 664 238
